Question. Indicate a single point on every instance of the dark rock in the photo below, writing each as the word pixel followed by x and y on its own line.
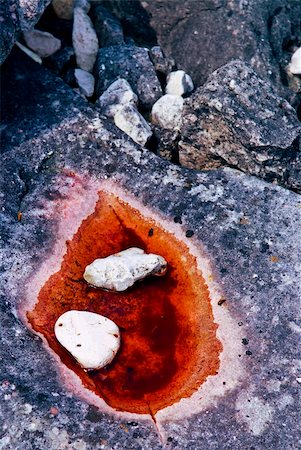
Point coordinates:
pixel 61 60
pixel 132 64
pixel 232 216
pixel 237 120
pixel 161 63
pixel 167 144
pixel 16 17
pixel 108 28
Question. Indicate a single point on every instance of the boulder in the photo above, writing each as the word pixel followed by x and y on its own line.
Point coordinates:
pixel 236 119
pixel 134 65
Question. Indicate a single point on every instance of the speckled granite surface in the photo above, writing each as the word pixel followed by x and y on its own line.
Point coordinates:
pixel 250 231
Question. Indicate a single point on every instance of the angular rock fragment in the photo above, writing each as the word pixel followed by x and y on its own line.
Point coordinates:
pixel 107 26
pixel 84 40
pixel 129 120
pixel 120 271
pixel 179 83
pixel 161 63
pixel 295 65
pixel 92 339
pixel 167 143
pixel 237 120
pixel 167 111
pixel 42 43
pixel 132 64
pixel 85 81
pixel 116 96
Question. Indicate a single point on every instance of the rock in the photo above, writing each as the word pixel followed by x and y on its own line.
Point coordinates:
pixel 132 64
pixel 295 65
pixel 162 64
pixel 93 340
pixel 236 119
pixel 85 81
pixel 85 40
pixel 63 8
pixel 116 96
pixel 129 120
pixel 107 26
pixel 61 60
pixel 122 270
pixel 82 4
pixel 42 43
pixel 15 18
pixel 167 111
pixel 245 229
pixel 167 143
pixel 179 83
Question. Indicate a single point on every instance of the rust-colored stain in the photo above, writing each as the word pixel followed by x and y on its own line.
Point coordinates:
pixel 168 338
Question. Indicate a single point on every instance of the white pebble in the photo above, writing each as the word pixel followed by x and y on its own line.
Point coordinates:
pixel 120 271
pixel 93 340
pixel 42 43
pixel 129 120
pixel 85 81
pixel 84 38
pixel 295 65
pixel 179 83
pixel 167 111
pixel 116 96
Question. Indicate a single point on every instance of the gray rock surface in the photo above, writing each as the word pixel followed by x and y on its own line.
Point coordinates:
pixel 236 119
pixel 107 26
pixel 134 65
pixel 248 229
pixel 16 17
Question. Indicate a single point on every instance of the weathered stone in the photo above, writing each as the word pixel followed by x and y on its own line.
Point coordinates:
pixel 161 63
pixel 122 270
pixel 179 83
pixel 295 64
pixel 85 81
pixel 116 96
pixel 16 17
pixel 246 228
pixel 129 120
pixel 132 64
pixel 63 8
pixel 167 143
pixel 167 111
pixel 42 43
pixel 107 26
pixel 237 120
pixel 92 339
pixel 84 39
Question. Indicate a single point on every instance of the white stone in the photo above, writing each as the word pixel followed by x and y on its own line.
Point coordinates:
pixel 85 81
pixel 93 340
pixel 84 38
pixel 41 42
pixel 167 111
pixel 179 83
pixel 129 120
pixel 120 271
pixel 295 65
pixel 116 96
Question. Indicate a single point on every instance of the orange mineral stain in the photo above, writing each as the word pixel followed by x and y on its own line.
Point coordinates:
pixel 168 337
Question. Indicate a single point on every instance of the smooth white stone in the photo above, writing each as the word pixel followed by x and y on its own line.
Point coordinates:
pixel 167 111
pixel 295 65
pixel 120 271
pixel 84 38
pixel 85 81
pixel 116 96
pixel 93 340
pixel 41 42
pixel 179 83
pixel 129 120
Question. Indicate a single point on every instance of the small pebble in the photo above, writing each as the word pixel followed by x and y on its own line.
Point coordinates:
pixel 295 65
pixel 120 271
pixel 167 111
pixel 84 38
pixel 129 120
pixel 116 96
pixel 63 8
pixel 42 43
pixel 93 340
pixel 179 83
pixel 85 81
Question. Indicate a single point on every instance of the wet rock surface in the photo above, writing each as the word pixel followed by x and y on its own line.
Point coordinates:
pixel 236 119
pixel 247 227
